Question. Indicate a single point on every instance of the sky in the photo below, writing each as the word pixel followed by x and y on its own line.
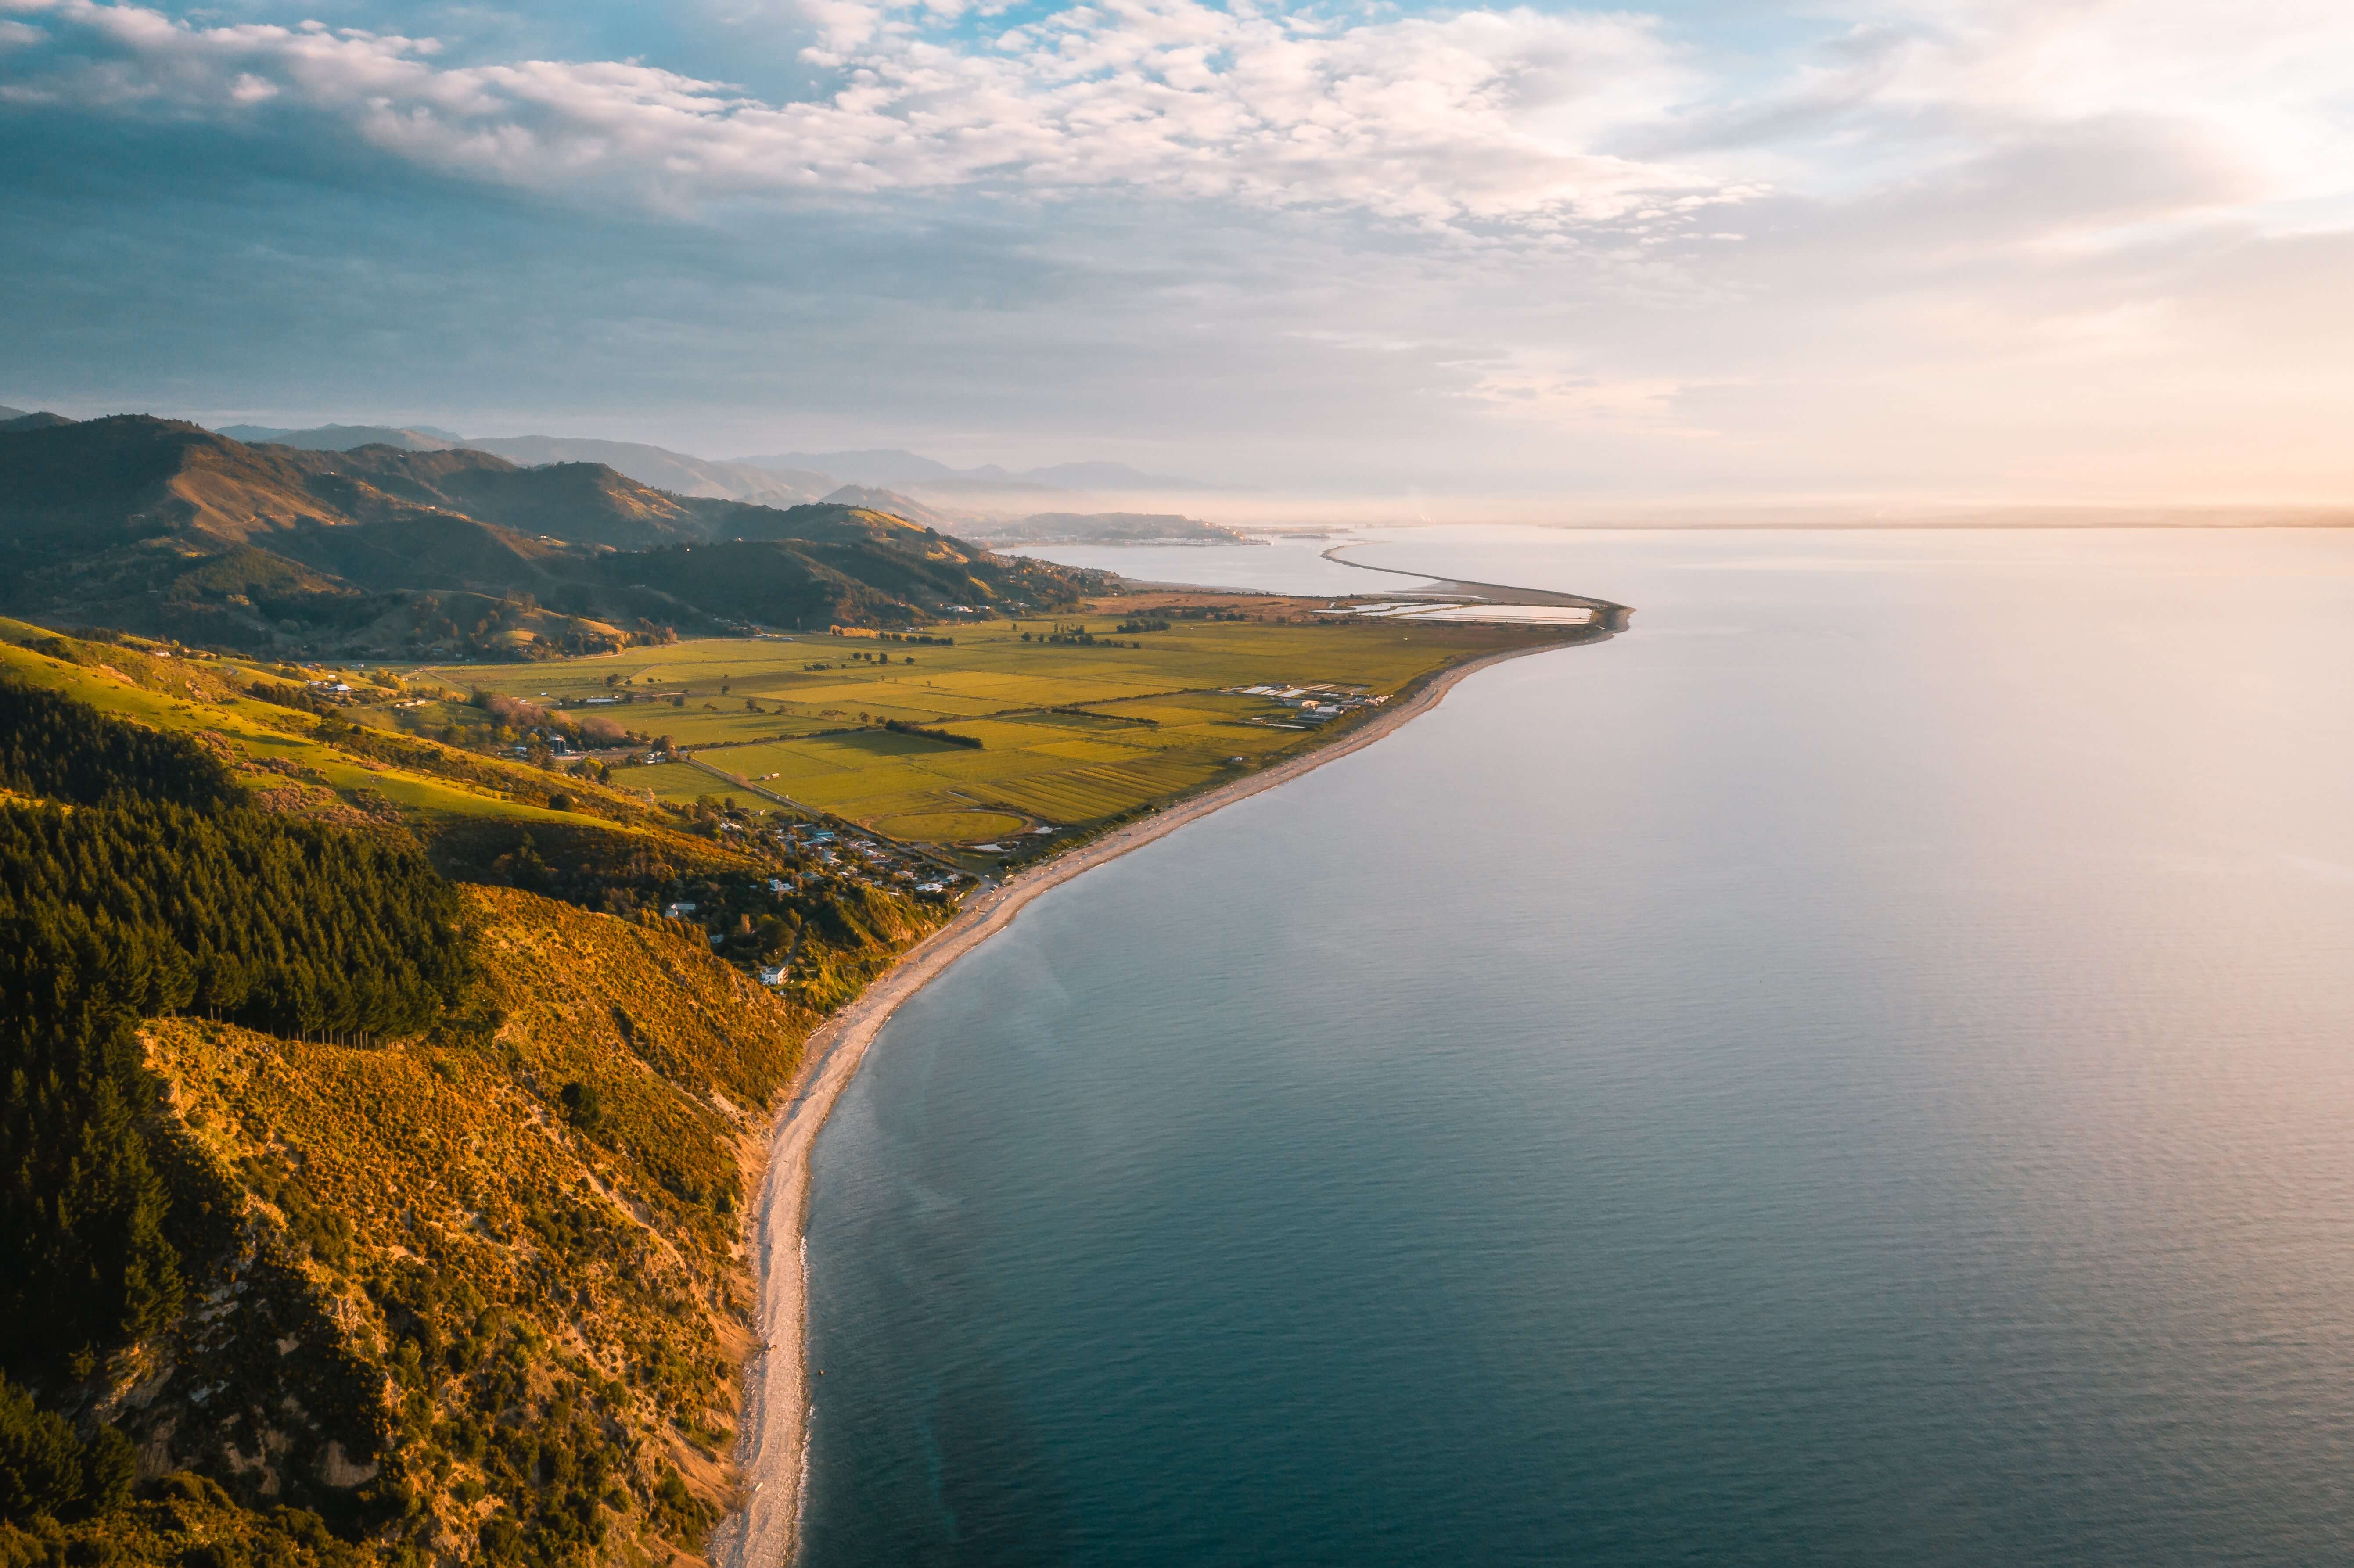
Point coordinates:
pixel 1942 250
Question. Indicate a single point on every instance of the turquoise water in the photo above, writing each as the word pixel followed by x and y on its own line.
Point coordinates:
pixel 1857 1070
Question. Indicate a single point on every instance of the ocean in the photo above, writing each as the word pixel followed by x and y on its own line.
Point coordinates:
pixel 1857 1069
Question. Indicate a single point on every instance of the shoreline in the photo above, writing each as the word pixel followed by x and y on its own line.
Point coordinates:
pixel 773 1434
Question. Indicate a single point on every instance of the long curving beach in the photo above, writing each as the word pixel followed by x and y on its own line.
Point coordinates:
pixel 773 1445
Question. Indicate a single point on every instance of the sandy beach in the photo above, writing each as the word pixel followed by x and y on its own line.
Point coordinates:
pixel 773 1445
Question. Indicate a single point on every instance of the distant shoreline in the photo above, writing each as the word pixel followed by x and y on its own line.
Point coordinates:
pixel 772 1444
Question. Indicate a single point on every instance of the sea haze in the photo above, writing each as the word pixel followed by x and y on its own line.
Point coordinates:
pixel 1855 1070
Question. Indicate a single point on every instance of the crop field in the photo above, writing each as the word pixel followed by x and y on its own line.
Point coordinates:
pixel 1070 735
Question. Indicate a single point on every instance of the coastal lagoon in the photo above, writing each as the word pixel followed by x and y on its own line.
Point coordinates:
pixel 1858 1068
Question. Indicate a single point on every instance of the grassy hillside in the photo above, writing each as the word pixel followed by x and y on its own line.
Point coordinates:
pixel 530 1219
pixel 510 1246
pixel 444 1267
pixel 481 816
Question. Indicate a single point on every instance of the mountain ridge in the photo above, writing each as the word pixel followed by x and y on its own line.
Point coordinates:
pixel 778 479
pixel 657 466
pixel 1107 528
pixel 343 438
pixel 664 468
pixel 888 466
pixel 163 526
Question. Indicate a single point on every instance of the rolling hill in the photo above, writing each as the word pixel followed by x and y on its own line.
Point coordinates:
pixel 892 466
pixel 1105 528
pixel 650 465
pixel 343 438
pixel 666 470
pixel 876 499
pixel 161 526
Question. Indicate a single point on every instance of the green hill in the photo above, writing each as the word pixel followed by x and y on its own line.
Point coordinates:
pixel 163 527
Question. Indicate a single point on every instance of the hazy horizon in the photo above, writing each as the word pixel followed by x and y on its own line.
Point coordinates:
pixel 1849 254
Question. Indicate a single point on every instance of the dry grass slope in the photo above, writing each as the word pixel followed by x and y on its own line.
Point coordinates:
pixel 519 1236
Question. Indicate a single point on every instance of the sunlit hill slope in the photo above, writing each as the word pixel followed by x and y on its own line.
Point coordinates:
pixel 351 1211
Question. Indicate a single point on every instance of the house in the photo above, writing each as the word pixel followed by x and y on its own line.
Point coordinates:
pixel 773 975
pixel 678 911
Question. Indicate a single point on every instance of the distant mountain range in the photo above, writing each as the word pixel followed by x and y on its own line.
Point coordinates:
pixel 162 526
pixel 782 478
pixel 887 466
pixel 664 470
pixel 1105 528
pixel 343 438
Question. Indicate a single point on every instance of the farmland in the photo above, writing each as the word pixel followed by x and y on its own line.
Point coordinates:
pixel 1070 733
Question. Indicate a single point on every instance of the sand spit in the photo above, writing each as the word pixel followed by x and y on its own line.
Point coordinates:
pixel 773 1448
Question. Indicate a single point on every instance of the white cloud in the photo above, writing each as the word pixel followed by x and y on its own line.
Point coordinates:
pixel 1552 125
pixel 1481 118
pixel 1910 83
pixel 1981 244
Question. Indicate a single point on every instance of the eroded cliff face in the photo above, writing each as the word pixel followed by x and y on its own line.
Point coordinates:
pixel 479 1295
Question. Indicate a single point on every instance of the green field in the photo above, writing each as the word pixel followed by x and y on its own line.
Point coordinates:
pixel 756 709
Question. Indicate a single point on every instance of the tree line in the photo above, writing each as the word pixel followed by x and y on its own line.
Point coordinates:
pixel 945 738
pixel 135 883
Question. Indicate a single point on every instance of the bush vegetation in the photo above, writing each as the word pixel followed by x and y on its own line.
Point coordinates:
pixel 405 1216
pixel 945 738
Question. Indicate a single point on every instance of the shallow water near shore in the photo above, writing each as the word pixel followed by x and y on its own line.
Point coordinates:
pixel 1857 1069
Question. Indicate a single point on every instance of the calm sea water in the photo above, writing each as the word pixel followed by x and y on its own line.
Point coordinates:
pixel 1858 1070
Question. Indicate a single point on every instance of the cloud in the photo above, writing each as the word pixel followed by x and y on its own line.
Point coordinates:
pixel 1906 84
pixel 1482 118
pixel 2067 247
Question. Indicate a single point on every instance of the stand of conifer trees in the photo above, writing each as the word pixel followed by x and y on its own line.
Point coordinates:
pixel 138 884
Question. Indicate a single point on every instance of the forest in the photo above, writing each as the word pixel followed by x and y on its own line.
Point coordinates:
pixel 136 886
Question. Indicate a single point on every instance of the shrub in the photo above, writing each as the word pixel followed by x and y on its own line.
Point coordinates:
pixel 46 1469
pixel 582 1108
pixel 945 738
